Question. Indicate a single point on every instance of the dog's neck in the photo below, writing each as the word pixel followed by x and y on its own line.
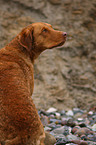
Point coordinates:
pixel 21 50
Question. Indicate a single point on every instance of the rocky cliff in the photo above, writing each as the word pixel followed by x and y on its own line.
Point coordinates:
pixel 64 77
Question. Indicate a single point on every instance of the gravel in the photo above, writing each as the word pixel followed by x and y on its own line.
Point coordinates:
pixel 70 127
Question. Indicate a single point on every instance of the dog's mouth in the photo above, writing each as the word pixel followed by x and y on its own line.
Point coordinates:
pixel 60 44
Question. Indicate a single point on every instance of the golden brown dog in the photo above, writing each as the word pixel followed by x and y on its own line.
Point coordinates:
pixel 19 120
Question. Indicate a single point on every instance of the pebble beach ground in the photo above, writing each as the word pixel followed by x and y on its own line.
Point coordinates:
pixel 73 127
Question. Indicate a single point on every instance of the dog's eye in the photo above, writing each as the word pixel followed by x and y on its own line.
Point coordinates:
pixel 44 30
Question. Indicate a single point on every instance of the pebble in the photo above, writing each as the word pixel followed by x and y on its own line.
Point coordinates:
pixel 55 120
pixel 49 139
pixel 71 123
pixel 59 130
pixel 73 127
pixel 44 120
pixel 77 115
pixel 47 128
pixel 94 127
pixel 77 110
pixel 72 137
pixel 59 136
pixel 82 124
pixel 57 115
pixel 90 113
pixel 70 113
pixel 63 112
pixel 91 137
pixel 80 119
pixel 67 130
pixel 91 143
pixel 83 131
pixel 50 110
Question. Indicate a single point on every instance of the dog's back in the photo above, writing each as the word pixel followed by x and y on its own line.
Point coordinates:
pixel 19 120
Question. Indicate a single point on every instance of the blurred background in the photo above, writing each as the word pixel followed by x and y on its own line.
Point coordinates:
pixel 64 77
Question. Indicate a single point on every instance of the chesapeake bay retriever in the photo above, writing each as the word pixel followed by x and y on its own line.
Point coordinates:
pixel 19 120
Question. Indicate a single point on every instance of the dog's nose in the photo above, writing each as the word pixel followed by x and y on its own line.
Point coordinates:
pixel 64 34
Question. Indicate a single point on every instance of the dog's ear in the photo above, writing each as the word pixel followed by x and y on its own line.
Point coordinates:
pixel 26 39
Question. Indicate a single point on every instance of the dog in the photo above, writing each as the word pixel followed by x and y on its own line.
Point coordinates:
pixel 19 120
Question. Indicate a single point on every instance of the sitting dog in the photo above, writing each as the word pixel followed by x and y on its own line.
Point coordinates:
pixel 19 120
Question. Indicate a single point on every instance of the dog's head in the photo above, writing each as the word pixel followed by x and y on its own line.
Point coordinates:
pixel 38 37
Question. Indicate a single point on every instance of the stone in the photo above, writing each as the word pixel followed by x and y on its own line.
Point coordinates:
pixel 91 143
pixel 75 129
pixel 78 115
pixel 46 128
pixel 91 137
pixel 49 139
pixel 71 137
pixel 77 110
pixel 80 119
pixel 70 113
pixel 59 136
pixel 51 110
pixel 59 130
pixel 67 130
pixel 83 143
pixel 57 121
pixel 82 124
pixel 43 112
pixel 90 113
pixel 52 116
pixel 94 117
pixel 94 127
pixel 62 112
pixel 76 141
pixel 82 131
pixel 57 115
pixel 64 121
pixel 44 120
pixel 62 141
pixel 71 123
pixel 79 142
pixel 52 125
pixel 83 137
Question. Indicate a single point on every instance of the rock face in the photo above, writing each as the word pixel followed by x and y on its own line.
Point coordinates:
pixel 64 77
